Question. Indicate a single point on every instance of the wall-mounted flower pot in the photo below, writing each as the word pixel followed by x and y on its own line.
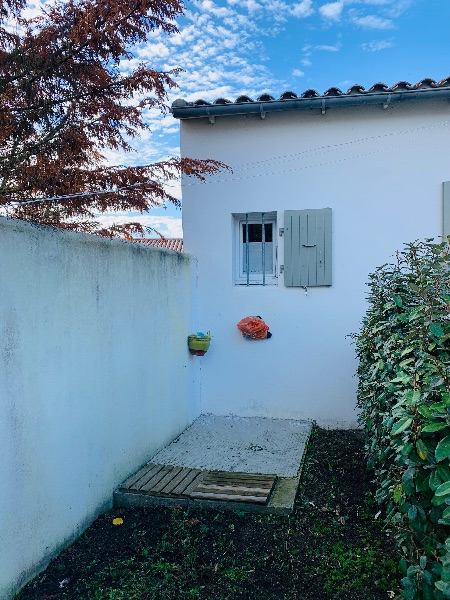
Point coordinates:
pixel 199 343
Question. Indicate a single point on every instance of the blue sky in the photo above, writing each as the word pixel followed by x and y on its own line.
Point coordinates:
pixel 233 47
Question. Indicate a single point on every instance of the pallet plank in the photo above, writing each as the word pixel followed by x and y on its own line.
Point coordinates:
pixel 224 489
pixel 232 477
pixel 221 475
pixel 146 471
pixel 176 481
pixel 228 498
pixel 191 477
pixel 155 479
pixel 238 474
pixel 238 483
pixel 149 475
pixel 166 479
pixel 194 483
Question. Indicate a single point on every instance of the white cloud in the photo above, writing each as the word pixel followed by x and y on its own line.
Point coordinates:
pixel 371 2
pixel 306 62
pixel 147 154
pixel 278 10
pixel 332 11
pixel 302 9
pixel 212 94
pixel 342 85
pixel 251 5
pixel 298 73
pixel 376 45
pixel 150 51
pixel 33 10
pixel 328 47
pixel 388 6
pixel 210 7
pixel 395 8
pixel 184 36
pixel 371 22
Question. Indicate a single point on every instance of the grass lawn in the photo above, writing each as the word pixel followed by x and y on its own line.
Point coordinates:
pixel 331 548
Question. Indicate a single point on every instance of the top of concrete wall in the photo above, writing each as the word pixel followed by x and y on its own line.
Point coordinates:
pixel 379 93
pixel 75 237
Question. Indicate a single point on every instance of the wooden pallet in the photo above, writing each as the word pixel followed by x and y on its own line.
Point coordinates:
pixel 234 487
pixel 163 480
pixel 182 482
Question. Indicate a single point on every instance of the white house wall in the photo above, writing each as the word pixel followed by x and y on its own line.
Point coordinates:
pixel 380 170
pixel 95 377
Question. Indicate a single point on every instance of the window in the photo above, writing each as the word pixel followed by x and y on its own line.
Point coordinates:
pixel 255 248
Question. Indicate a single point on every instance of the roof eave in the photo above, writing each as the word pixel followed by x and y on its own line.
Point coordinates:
pixel 321 103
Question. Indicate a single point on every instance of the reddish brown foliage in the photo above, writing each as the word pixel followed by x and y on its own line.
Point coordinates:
pixel 64 101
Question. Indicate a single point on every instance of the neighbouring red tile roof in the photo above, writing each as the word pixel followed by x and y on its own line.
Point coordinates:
pixel 166 243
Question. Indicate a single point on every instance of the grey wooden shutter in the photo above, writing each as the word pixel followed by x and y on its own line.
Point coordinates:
pixel 446 209
pixel 307 247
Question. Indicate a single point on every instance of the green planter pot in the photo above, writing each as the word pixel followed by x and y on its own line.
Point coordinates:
pixel 198 345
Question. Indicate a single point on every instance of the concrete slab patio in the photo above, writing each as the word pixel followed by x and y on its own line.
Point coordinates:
pixel 222 445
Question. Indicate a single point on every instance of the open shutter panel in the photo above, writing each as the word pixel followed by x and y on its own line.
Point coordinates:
pixel 446 206
pixel 307 247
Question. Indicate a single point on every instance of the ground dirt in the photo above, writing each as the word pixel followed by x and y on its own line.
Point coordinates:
pixel 332 548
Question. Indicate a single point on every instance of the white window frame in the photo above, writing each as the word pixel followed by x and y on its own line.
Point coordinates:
pixel 239 274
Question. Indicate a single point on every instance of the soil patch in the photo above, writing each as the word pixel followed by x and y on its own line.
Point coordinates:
pixel 332 548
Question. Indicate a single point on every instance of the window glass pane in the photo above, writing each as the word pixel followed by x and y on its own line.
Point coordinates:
pixel 255 232
pixel 255 257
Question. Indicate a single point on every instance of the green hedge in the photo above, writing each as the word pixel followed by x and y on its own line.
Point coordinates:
pixel 404 397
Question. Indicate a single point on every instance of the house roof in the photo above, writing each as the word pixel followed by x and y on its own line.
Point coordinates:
pixel 166 243
pixel 379 93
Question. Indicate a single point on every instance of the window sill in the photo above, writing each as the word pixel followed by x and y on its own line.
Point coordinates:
pixel 255 284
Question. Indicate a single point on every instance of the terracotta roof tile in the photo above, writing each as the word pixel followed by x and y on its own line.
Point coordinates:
pixel 425 83
pixel 402 85
pixel 310 94
pixel 333 91
pixel 356 89
pixel 378 87
pixel 243 99
pixel 288 95
pixel 265 98
pixel 165 243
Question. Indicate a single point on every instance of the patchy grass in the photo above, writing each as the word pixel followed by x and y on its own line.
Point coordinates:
pixel 332 548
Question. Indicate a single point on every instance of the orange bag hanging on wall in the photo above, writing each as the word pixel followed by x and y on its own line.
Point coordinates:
pixel 253 328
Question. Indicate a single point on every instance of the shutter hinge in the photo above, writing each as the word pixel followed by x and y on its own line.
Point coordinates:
pixel 281 231
pixel 281 269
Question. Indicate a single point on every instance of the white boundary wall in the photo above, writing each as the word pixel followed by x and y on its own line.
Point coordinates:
pixel 381 173
pixel 95 377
